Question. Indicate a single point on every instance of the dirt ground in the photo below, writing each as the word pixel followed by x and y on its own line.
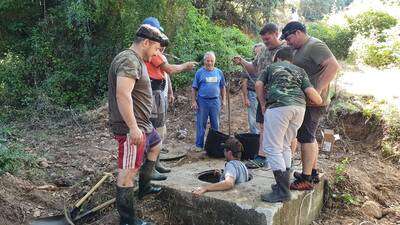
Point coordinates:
pixel 75 151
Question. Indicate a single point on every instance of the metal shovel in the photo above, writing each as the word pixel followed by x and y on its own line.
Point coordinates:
pixel 72 215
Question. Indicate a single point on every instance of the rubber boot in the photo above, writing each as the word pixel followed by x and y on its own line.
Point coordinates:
pixel 125 204
pixel 160 168
pixel 145 186
pixel 281 193
pixel 275 186
pixel 155 175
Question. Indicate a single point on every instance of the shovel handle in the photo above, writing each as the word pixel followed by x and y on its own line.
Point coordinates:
pixel 95 209
pixel 82 200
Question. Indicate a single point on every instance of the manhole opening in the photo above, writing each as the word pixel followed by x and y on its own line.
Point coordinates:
pixel 211 176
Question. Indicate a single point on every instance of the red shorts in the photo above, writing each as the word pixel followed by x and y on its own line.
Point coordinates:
pixel 130 156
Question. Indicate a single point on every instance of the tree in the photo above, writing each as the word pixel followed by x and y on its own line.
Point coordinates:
pixel 249 14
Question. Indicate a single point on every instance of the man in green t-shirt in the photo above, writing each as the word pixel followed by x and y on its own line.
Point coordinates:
pixel 321 66
pixel 130 103
pixel 287 87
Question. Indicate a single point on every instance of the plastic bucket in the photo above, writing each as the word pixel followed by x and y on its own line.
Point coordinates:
pixel 214 141
pixel 251 144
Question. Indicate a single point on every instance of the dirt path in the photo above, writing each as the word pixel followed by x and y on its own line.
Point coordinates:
pixel 383 84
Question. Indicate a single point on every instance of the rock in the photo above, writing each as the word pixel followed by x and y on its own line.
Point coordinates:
pixel 48 187
pixel 44 163
pixel 181 99
pixel 36 213
pixel 181 134
pixel 372 209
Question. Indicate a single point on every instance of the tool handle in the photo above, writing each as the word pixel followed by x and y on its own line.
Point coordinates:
pixel 82 200
pixel 95 209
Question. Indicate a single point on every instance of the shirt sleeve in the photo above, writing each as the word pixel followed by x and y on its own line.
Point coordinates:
pixel 129 68
pixel 230 171
pixel 222 82
pixel 157 60
pixel 196 79
pixel 319 52
pixel 305 81
pixel 264 75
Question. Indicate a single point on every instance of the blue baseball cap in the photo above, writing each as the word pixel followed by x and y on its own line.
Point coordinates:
pixel 152 21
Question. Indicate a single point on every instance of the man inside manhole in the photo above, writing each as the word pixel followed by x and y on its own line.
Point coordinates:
pixel 235 171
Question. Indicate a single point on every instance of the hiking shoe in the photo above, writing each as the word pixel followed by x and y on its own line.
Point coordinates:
pixel 198 149
pixel 301 185
pixel 314 177
pixel 256 163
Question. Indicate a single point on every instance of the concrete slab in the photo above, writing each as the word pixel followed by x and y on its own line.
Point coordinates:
pixel 241 205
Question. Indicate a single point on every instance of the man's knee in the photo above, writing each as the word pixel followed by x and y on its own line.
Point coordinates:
pixel 126 176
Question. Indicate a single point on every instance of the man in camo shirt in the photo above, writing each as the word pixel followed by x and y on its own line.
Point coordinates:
pixel 270 36
pixel 287 87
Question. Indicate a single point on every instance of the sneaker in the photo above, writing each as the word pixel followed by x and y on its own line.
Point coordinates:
pixel 198 149
pixel 314 177
pixel 256 163
pixel 301 185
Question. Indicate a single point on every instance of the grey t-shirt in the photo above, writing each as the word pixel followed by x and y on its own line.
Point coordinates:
pixel 310 57
pixel 128 64
pixel 237 170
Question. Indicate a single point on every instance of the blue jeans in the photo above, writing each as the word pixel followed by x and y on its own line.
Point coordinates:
pixel 252 111
pixel 206 108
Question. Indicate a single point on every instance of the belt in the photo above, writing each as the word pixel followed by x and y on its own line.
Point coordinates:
pixel 209 97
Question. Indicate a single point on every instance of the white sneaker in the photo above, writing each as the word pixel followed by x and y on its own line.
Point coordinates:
pixel 198 149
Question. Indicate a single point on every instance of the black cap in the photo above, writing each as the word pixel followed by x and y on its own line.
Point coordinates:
pixel 292 27
pixel 152 33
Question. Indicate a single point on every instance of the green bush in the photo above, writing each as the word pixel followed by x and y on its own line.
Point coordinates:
pixel 14 76
pixel 199 35
pixel 371 22
pixel 338 38
pixel 64 51
pixel 380 56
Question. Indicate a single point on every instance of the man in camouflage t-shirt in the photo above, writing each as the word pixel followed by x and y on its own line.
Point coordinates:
pixel 287 86
pixel 321 66
pixel 130 103
pixel 270 36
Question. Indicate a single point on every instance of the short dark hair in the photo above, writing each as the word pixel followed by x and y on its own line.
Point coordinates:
pixel 269 28
pixel 234 145
pixel 285 53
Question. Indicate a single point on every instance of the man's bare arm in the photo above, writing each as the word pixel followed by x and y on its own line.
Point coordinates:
pixel 194 96
pixel 124 89
pixel 227 184
pixel 313 95
pixel 223 95
pixel 331 67
pixel 248 66
pixel 173 68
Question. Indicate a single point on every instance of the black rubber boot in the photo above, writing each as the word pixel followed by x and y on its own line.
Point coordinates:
pixel 145 186
pixel 275 186
pixel 281 193
pixel 160 168
pixel 125 204
pixel 155 175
